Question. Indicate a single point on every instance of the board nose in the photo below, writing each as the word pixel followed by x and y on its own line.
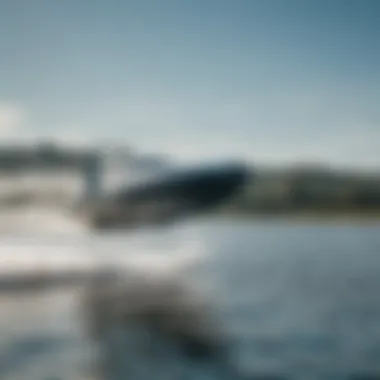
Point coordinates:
pixel 212 187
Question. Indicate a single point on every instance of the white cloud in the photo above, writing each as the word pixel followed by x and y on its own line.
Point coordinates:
pixel 11 118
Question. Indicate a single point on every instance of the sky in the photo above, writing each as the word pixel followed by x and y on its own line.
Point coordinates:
pixel 272 81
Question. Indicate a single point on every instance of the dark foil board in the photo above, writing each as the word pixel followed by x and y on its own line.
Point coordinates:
pixel 171 196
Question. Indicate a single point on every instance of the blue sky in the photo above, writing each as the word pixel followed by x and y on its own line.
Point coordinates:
pixel 273 81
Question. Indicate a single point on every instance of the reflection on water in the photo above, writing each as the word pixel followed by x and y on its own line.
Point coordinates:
pixel 301 301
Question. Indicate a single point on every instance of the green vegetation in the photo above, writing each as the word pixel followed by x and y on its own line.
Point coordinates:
pixel 309 191
pixel 15 159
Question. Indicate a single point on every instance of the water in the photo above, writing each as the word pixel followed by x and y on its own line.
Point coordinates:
pixel 301 301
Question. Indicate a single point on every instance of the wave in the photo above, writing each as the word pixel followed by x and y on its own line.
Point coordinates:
pixel 149 274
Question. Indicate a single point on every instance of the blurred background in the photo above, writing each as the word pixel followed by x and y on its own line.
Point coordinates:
pixel 290 88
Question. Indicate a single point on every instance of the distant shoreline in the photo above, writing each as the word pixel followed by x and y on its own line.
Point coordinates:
pixel 306 216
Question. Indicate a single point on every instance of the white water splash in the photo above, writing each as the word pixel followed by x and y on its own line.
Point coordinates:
pixel 50 240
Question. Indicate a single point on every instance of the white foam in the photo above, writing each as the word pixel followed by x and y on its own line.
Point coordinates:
pixel 42 220
pixel 34 249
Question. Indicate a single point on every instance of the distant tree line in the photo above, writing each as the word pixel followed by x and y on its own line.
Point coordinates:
pixel 299 189
pixel 50 156
pixel 309 190
pixel 43 156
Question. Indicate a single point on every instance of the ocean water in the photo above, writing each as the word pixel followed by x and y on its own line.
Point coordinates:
pixel 300 301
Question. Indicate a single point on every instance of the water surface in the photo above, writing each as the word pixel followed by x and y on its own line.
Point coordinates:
pixel 302 301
